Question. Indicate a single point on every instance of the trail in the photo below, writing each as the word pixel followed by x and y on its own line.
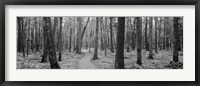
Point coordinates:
pixel 86 63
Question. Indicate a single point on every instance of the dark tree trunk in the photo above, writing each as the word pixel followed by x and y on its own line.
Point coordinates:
pixel 105 37
pixel 70 39
pixel 111 36
pixel 78 40
pixel 177 38
pixel 23 36
pixel 139 39
pixel 164 33
pixel 119 57
pixel 55 27
pixel 28 37
pixel 159 32
pixel 146 37
pixel 150 39
pixel 60 41
pixel 50 43
pixel 36 35
pixel 101 33
pixel 44 56
pixel 96 40
pixel 19 36
pixel 156 21
pixel 32 39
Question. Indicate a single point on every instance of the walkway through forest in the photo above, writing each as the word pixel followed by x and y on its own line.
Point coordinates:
pixel 86 63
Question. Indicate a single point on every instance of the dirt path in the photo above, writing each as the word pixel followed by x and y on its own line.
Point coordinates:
pixel 86 63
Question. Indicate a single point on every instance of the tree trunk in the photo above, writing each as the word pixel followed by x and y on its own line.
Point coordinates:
pixel 60 41
pixel 150 39
pixel 19 36
pixel 105 37
pixel 139 39
pixel 96 40
pixel 44 56
pixel 111 36
pixel 164 33
pixel 156 21
pixel 119 57
pixel 50 43
pixel 70 39
pixel 133 35
pixel 159 32
pixel 23 36
pixel 78 40
pixel 127 35
pixel 176 37
pixel 28 37
pixel 146 37
pixel 36 35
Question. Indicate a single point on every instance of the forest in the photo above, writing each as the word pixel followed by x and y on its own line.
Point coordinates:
pixel 108 42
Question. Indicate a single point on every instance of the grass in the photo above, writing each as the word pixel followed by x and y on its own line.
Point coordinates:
pixel 161 59
pixel 70 60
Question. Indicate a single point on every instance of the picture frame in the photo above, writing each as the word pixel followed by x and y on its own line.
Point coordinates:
pixel 98 2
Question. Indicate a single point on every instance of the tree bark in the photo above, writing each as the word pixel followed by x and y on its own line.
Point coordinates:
pixel 111 36
pixel 50 43
pixel 139 39
pixel 23 36
pixel 96 40
pixel 177 39
pixel 60 41
pixel 150 39
pixel 78 40
pixel 146 37
pixel 156 21
pixel 119 57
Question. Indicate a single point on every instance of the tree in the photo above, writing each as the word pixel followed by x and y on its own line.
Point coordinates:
pixel 105 37
pixel 21 38
pixel 78 38
pixel 133 36
pixel 177 39
pixel 119 57
pixel 96 40
pixel 60 41
pixel 146 37
pixel 150 39
pixel 156 21
pixel 159 32
pixel 70 39
pixel 164 32
pixel 48 32
pixel 28 37
pixel 111 36
pixel 139 39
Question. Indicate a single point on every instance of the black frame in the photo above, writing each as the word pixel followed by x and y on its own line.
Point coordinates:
pixel 98 2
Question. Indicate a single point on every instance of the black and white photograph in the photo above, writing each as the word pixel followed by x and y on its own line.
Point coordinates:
pixel 99 42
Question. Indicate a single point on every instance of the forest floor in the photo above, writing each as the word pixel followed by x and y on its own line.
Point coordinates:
pixel 71 60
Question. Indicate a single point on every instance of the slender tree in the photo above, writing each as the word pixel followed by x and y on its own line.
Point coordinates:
pixel 119 57
pixel 111 36
pixel 96 40
pixel 146 37
pixel 150 39
pixel 156 21
pixel 28 37
pixel 139 39
pixel 23 35
pixel 60 41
